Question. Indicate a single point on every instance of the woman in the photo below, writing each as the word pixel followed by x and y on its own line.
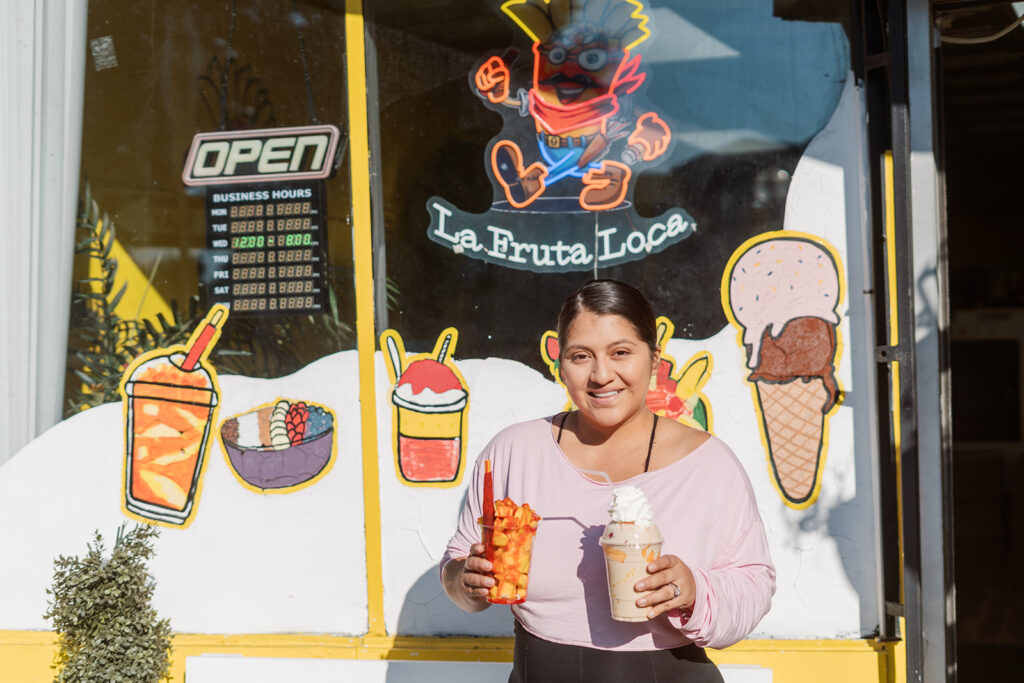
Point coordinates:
pixel 714 579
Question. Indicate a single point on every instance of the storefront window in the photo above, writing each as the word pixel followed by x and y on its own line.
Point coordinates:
pixel 158 75
pixel 490 217
pixel 526 146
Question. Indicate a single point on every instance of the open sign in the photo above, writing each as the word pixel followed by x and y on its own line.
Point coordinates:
pixel 261 155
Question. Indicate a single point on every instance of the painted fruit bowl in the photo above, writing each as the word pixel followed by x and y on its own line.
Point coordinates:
pixel 281 445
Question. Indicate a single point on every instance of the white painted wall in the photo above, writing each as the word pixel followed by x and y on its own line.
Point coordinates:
pixel 249 563
pixel 828 197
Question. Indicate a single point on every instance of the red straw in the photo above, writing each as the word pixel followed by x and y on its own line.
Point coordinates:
pixel 198 350
pixel 488 517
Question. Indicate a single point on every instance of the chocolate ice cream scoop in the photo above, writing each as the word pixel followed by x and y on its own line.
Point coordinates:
pixel 805 349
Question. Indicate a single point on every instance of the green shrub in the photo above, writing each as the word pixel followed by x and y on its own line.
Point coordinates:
pixel 107 630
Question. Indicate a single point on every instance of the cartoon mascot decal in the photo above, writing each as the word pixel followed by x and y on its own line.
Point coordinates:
pixel 587 123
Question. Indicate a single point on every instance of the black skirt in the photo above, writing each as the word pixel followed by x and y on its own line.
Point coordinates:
pixel 536 660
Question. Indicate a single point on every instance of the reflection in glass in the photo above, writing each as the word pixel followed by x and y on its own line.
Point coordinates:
pixel 157 75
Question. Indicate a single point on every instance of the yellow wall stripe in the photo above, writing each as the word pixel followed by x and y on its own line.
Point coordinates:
pixel 894 339
pixel 890 247
pixel 362 252
pixel 25 656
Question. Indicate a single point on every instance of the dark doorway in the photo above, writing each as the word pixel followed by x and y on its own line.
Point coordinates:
pixel 982 100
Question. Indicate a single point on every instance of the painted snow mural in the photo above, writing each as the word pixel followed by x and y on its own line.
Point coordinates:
pixel 295 551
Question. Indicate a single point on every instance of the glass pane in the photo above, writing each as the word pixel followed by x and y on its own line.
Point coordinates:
pixel 491 218
pixel 158 74
pixel 526 146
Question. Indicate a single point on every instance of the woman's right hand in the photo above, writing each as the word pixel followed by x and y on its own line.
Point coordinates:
pixel 475 573
pixel 467 581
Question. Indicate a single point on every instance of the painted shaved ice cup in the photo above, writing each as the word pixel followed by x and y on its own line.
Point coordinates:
pixel 429 439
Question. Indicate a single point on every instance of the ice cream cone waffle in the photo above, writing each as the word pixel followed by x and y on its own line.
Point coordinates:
pixel 793 423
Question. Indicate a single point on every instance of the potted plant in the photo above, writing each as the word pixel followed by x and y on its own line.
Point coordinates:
pixel 100 607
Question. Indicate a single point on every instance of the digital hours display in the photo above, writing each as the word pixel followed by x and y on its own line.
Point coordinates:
pixel 265 247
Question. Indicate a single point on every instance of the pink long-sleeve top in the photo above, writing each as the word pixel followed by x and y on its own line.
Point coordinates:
pixel 703 505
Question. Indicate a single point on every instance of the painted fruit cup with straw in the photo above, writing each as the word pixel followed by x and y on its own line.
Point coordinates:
pixel 431 402
pixel 508 531
pixel 170 398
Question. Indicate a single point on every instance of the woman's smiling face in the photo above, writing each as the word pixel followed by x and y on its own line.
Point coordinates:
pixel 607 368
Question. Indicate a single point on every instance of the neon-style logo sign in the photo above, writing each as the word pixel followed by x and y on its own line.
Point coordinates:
pixel 564 165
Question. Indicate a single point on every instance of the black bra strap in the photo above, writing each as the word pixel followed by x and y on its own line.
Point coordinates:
pixel 650 446
pixel 561 427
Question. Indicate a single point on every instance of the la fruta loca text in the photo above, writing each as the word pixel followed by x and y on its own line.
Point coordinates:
pixel 559 245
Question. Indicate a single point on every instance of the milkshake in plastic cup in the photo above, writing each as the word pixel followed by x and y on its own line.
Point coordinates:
pixel 431 401
pixel 630 541
pixel 170 401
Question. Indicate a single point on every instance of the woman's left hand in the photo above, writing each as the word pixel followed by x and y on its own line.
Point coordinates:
pixel 666 573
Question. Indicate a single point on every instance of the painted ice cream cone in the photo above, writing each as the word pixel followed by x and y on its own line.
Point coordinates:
pixel 782 290
pixel 794 422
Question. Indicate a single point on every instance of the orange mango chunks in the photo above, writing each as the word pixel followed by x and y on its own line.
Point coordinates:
pixel 511 545
pixel 164 457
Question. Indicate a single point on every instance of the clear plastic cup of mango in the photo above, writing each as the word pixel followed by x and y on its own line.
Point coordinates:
pixel 508 544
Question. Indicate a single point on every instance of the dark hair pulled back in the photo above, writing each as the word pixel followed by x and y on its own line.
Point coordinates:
pixel 611 297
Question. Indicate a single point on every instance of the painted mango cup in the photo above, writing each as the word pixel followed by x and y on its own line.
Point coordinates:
pixel 169 411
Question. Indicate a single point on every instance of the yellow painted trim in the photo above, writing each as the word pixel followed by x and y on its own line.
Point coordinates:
pixel 890 247
pixel 727 308
pixel 362 254
pixel 25 656
pixel 294 487
pixel 894 339
pixel 899 656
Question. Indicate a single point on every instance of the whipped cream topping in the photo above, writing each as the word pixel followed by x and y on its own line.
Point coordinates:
pixel 629 504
